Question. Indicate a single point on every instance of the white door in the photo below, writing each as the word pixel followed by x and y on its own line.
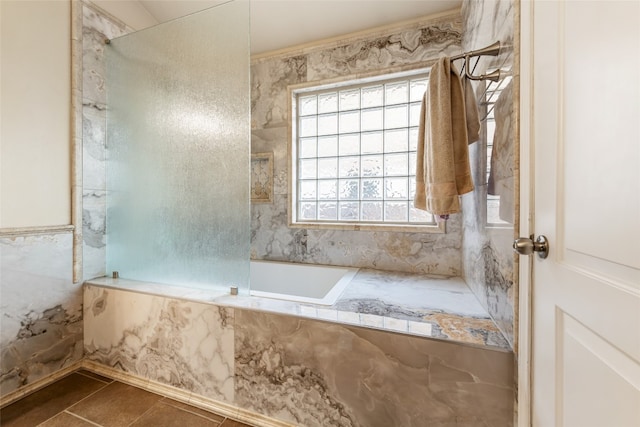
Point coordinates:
pixel 586 137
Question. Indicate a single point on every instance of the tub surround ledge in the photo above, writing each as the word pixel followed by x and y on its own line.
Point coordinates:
pixel 299 371
pixel 428 306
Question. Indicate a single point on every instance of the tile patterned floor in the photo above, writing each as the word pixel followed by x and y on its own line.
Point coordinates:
pixel 85 399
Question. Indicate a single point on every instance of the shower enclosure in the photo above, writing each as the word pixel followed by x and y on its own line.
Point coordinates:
pixel 178 151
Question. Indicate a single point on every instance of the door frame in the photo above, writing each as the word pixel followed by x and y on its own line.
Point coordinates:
pixel 524 64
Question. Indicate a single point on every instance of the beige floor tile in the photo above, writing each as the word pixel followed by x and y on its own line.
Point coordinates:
pixel 116 405
pixel 49 401
pixel 64 419
pixel 232 423
pixel 161 415
pixel 193 409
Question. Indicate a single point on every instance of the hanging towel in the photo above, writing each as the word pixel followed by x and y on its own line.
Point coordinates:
pixel 471 112
pixel 502 176
pixel 446 129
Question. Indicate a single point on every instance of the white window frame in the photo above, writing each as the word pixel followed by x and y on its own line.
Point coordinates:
pixel 296 90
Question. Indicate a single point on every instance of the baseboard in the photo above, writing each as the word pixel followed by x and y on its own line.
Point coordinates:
pixel 23 391
pixel 184 396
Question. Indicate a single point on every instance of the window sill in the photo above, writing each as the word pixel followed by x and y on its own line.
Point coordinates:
pixel 439 228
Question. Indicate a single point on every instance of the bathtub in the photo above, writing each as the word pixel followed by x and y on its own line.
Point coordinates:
pixel 316 284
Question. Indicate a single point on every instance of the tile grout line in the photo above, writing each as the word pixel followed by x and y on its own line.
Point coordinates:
pixel 93 378
pixel 69 413
pixel 194 413
pixel 145 412
pixel 105 385
pixel 83 418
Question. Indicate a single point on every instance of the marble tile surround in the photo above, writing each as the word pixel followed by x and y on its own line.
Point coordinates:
pixel 469 249
pixel 489 264
pixel 323 374
pixel 271 237
pixel 41 324
pixel 303 371
pixel 427 306
pixel 180 343
pixel 96 27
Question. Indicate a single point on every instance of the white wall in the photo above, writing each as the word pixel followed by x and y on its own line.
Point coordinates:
pixel 35 116
pixel 132 13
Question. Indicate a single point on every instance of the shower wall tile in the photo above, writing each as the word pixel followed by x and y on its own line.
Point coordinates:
pixel 97 26
pixel 93 233
pixel 404 47
pixel 180 343
pixel 273 239
pixel 314 373
pixel 94 128
pixel 271 236
pixel 269 81
pixel 41 324
pixel 274 140
pixel 490 267
pixel 488 21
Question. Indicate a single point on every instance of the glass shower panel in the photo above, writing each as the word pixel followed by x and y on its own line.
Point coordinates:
pixel 178 151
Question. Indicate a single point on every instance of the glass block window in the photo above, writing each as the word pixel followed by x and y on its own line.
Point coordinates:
pixel 354 152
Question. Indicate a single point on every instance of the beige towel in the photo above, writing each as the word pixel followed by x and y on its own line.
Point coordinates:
pixel 502 175
pixel 442 166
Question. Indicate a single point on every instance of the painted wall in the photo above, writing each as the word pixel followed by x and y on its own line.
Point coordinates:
pixel 35 44
pixel 271 237
pixel 488 260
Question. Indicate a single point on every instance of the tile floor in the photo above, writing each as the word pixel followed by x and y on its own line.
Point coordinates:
pixel 85 399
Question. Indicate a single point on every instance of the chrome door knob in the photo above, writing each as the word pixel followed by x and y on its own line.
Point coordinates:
pixel 526 246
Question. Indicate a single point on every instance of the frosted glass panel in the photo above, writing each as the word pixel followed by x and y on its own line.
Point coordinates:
pixel 178 147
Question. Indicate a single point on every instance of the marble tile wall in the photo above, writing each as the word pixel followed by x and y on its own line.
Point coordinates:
pixel 96 27
pixel 325 374
pixel 41 322
pixel 489 265
pixel 301 371
pixel 184 344
pixel 271 237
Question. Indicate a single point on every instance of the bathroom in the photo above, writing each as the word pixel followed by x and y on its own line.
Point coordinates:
pixel 52 324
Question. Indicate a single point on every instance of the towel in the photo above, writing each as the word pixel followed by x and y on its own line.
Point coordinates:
pixel 446 129
pixel 502 176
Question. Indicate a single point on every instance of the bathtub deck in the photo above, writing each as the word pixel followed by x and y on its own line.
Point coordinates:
pixel 429 306
pixel 443 308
